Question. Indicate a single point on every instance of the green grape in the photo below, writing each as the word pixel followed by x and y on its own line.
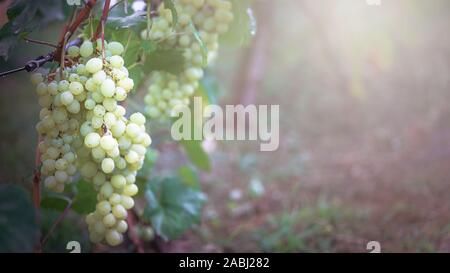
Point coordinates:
pixel 115 48
pixel 94 65
pixel 116 61
pixel 76 88
pixel 113 237
pixel 86 49
pixel 92 140
pixel 107 165
pixel 108 88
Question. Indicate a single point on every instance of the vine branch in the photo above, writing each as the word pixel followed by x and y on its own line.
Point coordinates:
pixel 102 23
pixel 29 40
pixel 69 30
pixel 57 222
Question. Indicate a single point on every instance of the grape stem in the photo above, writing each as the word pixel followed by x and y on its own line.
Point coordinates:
pixel 102 23
pixel 68 31
pixel 36 188
pixel 29 40
pixel 37 179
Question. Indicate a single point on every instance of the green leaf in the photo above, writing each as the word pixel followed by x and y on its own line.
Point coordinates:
pixel 54 201
pixel 201 43
pixel 85 198
pixel 7 40
pixel 243 27
pixel 209 88
pixel 149 46
pixel 133 49
pixel 169 60
pixel 25 16
pixel 127 21
pixel 149 162
pixel 18 229
pixel 196 154
pixel 144 174
pixel 172 207
pixel 189 177
pixel 168 4
pixel 136 74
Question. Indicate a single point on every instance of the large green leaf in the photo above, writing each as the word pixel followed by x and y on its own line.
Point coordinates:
pixel 144 174
pixel 85 198
pixel 243 26
pixel 18 229
pixel 172 206
pixel 54 201
pixel 25 16
pixel 169 60
pixel 137 18
pixel 189 177
pixel 197 154
pixel 209 88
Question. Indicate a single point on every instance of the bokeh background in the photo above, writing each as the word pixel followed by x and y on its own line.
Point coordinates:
pixel 364 131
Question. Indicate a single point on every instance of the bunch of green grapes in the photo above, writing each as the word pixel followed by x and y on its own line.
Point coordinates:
pixel 211 18
pixel 58 129
pixel 107 148
pixel 113 147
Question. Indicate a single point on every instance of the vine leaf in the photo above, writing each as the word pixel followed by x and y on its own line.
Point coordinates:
pixel 18 229
pixel 126 21
pixel 85 198
pixel 172 206
pixel 161 59
pixel 25 16
pixel 197 154
pixel 54 201
pixel 189 177
pixel 209 88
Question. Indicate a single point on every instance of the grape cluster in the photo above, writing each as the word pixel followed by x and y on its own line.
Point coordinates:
pixel 58 129
pixel 211 18
pixel 107 148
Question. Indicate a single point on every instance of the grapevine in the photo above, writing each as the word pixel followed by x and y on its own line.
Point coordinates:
pixel 90 147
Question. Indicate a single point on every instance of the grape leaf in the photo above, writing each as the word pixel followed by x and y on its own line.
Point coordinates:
pixel 54 201
pixel 85 198
pixel 137 75
pixel 172 207
pixel 149 46
pixel 196 154
pixel 25 16
pixel 189 177
pixel 18 229
pixel 127 21
pixel 161 59
pixel 210 88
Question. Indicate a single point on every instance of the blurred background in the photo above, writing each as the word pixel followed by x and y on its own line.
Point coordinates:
pixel 364 131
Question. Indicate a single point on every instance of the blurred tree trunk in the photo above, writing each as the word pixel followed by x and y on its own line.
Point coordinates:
pixel 3 7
